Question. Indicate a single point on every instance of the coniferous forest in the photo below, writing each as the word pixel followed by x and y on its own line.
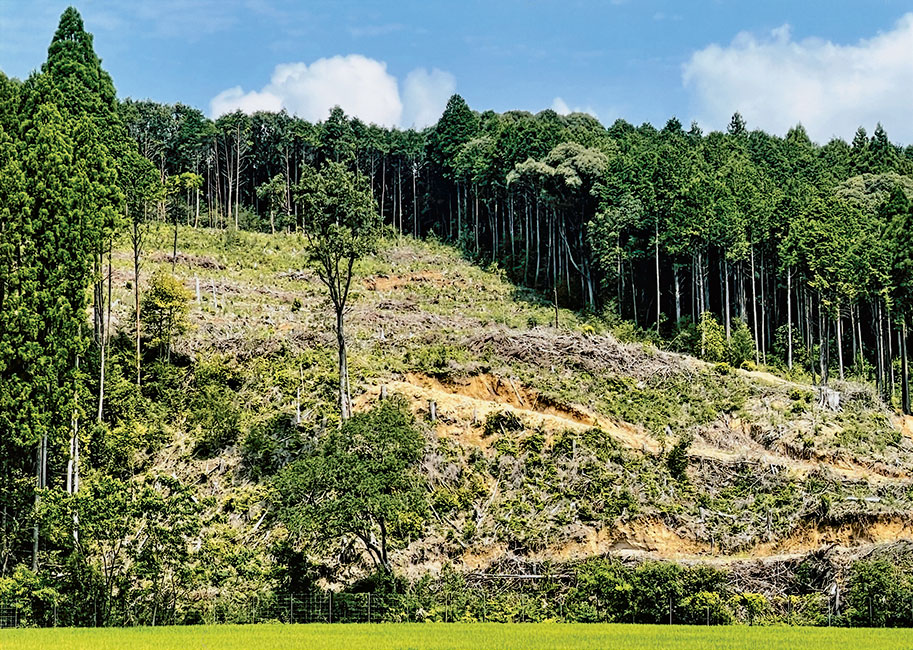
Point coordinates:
pixel 752 251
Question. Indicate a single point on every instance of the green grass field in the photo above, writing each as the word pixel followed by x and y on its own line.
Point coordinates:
pixel 447 636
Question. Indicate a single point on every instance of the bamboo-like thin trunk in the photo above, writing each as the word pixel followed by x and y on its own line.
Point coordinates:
pixel 904 369
pixel 789 318
pixel 656 250
pixel 754 310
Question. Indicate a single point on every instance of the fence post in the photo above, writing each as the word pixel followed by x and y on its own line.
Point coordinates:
pixel 369 607
pixel 670 609
pixel 331 607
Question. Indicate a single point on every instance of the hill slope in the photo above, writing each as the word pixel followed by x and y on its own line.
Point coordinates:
pixel 548 444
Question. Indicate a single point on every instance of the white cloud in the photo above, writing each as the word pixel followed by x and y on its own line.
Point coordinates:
pixel 236 99
pixel 831 89
pixel 561 107
pixel 425 95
pixel 361 86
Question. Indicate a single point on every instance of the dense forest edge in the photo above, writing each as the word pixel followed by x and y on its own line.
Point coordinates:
pixel 509 367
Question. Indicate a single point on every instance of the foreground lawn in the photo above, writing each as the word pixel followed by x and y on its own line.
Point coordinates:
pixel 447 636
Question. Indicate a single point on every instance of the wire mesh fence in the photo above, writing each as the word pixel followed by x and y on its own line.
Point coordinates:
pixel 329 607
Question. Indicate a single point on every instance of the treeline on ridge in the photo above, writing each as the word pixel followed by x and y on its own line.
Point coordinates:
pixel 800 251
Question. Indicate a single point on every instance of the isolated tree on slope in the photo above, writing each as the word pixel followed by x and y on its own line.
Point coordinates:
pixel 342 225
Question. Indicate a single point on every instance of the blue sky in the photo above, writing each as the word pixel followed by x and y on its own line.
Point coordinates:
pixel 831 66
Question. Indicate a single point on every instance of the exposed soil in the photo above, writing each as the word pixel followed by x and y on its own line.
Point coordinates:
pixel 845 534
pixel 463 404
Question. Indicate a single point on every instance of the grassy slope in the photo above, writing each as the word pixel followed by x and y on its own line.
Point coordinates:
pixel 446 636
pixel 583 467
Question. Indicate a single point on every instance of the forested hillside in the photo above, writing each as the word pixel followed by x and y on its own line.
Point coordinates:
pixel 255 356
pixel 806 244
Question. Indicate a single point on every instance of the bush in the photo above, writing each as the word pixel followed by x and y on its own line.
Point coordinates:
pixel 164 311
pixel 711 341
pixel 751 607
pixel 657 585
pixel 677 460
pixel 741 344
pixel 704 608
pixel 215 420
pixel 501 422
pixel 270 446
pixel 878 594
pixel 602 593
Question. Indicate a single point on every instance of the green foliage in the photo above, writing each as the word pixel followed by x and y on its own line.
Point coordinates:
pixel 677 459
pixel 270 446
pixel 361 481
pixel 166 304
pixel 741 346
pixel 878 594
pixel 501 423
pixel 712 338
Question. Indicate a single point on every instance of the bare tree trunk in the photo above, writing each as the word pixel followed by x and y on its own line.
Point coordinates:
pixel 889 359
pixel 839 332
pixel 789 318
pixel 904 369
pixel 754 310
pixel 822 348
pixel 383 185
pixel 763 327
pixel 137 252
pixel 344 398
pixel 728 310
pixel 656 251
pixel 415 228
pixel 41 482
pixel 106 336
pixel 237 178
pixel 678 295
pixel 879 353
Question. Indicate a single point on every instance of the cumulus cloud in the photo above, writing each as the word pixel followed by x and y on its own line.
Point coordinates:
pixel 561 107
pixel 425 95
pixel 777 82
pixel 361 86
pixel 235 98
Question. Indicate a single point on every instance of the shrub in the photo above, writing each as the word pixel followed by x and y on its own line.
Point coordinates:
pixel 711 338
pixel 502 422
pixel 677 459
pixel 215 420
pixel 164 311
pixel 741 344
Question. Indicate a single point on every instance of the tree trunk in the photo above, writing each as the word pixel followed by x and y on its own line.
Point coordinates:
pixel 839 332
pixel 678 295
pixel 789 318
pixel 105 338
pixel 728 310
pixel 656 251
pixel 383 186
pixel 904 369
pixel 415 230
pixel 41 482
pixel 237 179
pixel 344 397
pixel 754 311
pixel 823 343
pixel 137 252
pixel 763 327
